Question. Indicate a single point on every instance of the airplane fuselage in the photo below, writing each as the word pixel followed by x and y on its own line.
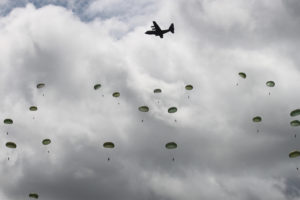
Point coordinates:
pixel 156 33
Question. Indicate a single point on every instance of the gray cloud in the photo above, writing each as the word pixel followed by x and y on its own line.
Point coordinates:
pixel 219 154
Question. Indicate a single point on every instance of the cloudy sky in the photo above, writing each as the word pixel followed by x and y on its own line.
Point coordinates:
pixel 71 45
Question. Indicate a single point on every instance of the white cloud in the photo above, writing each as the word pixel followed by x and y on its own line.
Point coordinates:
pixel 219 155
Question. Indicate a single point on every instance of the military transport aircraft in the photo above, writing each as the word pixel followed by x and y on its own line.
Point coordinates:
pixel 158 32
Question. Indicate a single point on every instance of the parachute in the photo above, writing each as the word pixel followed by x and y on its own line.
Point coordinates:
pixel 243 75
pixel 172 110
pixel 257 119
pixel 270 83
pixel 294 154
pixel 33 108
pixel 116 94
pixel 97 86
pixel 8 121
pixel 171 145
pixel 11 145
pixel 33 195
pixel 46 141
pixel 40 85
pixel 295 113
pixel 109 145
pixel 188 87
pixel 295 123
pixel 144 108
pixel 157 90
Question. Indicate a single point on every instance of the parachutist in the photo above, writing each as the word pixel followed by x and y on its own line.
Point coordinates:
pixel 108 159
pixel 173 159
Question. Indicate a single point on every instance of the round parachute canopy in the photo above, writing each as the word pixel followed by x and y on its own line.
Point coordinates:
pixel 256 119
pixel 46 141
pixel 294 154
pixel 144 108
pixel 188 87
pixel 33 195
pixel 116 94
pixel 109 145
pixel 33 108
pixel 171 145
pixel 242 74
pixel 295 113
pixel 8 121
pixel 157 90
pixel 40 85
pixel 172 110
pixel 295 123
pixel 11 145
pixel 97 86
pixel 270 83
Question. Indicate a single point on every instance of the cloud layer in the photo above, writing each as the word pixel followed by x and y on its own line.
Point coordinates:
pixel 220 154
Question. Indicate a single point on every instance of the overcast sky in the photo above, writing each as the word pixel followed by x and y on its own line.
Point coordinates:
pixel 73 45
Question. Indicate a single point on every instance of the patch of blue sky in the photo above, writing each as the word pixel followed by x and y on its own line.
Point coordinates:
pixel 78 7
pixel 123 10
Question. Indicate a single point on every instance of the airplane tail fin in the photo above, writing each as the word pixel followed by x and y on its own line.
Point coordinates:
pixel 171 28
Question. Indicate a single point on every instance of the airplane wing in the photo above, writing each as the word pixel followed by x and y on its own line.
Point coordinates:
pixel 156 26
